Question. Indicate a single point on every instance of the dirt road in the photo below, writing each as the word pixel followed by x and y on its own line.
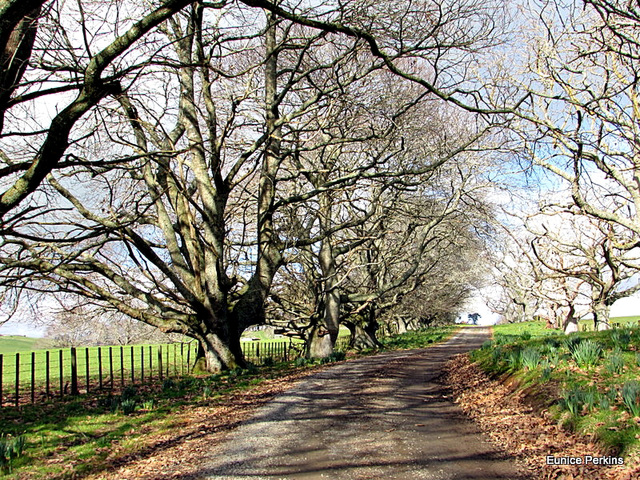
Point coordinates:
pixel 380 417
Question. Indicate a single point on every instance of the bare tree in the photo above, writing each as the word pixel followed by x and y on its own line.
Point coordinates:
pixel 209 124
pixel 585 249
pixel 580 121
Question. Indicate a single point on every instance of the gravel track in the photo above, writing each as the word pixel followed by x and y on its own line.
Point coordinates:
pixel 380 417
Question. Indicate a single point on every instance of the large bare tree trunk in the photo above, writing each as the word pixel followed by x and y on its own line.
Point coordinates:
pixel 218 352
pixel 570 324
pixel 363 334
pixel 323 338
pixel 601 316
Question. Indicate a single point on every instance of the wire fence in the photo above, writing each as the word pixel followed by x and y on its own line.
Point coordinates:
pixel 41 375
pixel 45 374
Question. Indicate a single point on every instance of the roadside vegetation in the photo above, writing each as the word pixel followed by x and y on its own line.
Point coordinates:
pixel 588 381
pixel 90 434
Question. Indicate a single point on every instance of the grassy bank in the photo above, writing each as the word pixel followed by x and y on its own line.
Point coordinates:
pixel 91 434
pixel 588 381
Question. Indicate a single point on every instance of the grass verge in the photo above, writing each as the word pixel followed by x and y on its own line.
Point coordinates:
pixel 588 381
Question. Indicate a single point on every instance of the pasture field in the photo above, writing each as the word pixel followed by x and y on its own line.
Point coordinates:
pixel 13 344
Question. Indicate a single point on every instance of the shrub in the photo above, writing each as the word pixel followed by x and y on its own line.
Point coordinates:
pixel 530 358
pixel 268 362
pixel 513 359
pixel 630 397
pixel 572 400
pixel 337 356
pixel 553 355
pixel 571 342
pixel 586 353
pixel 300 362
pixel 207 392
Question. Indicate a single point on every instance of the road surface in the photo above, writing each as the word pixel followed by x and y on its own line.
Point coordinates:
pixel 381 417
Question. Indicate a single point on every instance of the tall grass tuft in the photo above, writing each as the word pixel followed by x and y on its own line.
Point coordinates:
pixel 631 397
pixel 530 358
pixel 621 338
pixel 10 449
pixel 615 364
pixel 587 353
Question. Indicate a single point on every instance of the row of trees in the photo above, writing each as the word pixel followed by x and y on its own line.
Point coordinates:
pixel 577 250
pixel 236 153
pixel 206 167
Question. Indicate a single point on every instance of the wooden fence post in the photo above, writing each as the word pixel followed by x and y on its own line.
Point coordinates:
pixel 86 369
pixel 111 366
pixel 33 377
pixel 182 358
pixel 1 377
pixel 100 367
pixel 141 364
pixel 132 368
pixel 17 379
pixel 74 371
pixel 160 362
pixel 61 371
pixel 47 361
pixel 150 363
pixel 121 366
pixel 188 357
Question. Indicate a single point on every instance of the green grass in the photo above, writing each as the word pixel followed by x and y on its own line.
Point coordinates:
pixel 588 389
pixel 419 338
pixel 522 328
pixel 13 344
pixel 174 361
pixel 88 434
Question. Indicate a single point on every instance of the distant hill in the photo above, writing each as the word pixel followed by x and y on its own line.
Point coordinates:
pixel 13 344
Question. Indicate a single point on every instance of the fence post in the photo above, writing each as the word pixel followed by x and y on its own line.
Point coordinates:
pixel 17 379
pixel 182 358
pixel 141 364
pixel 61 374
pixel 1 377
pixel 86 369
pixel 160 361
pixel 74 372
pixel 111 366
pixel 188 357
pixel 47 362
pixel 150 363
pixel 33 377
pixel 132 368
pixel 121 366
pixel 100 367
